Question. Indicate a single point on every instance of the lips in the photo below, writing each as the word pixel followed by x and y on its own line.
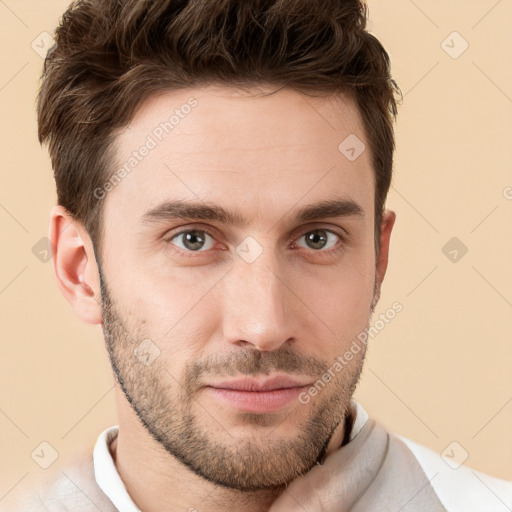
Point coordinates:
pixel 257 396
pixel 249 384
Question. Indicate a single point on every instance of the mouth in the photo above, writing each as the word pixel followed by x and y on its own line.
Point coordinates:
pixel 258 396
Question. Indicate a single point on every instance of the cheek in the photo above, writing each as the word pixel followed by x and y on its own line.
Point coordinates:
pixel 343 304
pixel 165 299
pixel 182 325
pixel 350 281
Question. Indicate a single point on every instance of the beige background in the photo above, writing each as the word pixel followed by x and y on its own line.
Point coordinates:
pixel 439 372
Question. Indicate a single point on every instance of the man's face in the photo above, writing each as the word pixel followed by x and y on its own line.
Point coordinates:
pixel 191 305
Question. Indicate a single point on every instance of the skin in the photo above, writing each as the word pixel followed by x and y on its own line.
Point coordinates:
pixel 214 316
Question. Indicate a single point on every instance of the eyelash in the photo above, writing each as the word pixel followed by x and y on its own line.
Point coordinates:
pixel 194 254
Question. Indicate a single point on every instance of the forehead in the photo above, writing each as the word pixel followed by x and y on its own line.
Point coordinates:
pixel 226 146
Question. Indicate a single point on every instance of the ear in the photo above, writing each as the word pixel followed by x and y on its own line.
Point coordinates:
pixel 74 265
pixel 386 226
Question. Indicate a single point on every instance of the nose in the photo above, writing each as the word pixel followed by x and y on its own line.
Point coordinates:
pixel 259 307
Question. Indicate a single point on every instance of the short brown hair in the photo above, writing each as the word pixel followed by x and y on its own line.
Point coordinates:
pixel 111 55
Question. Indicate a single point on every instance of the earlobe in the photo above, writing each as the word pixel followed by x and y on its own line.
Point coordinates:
pixel 74 265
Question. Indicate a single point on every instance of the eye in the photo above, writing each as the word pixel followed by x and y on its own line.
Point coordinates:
pixel 320 239
pixel 193 240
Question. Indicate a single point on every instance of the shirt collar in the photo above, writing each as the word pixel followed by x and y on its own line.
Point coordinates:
pixel 105 472
pixel 109 480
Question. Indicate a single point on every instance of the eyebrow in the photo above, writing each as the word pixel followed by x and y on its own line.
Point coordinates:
pixel 193 210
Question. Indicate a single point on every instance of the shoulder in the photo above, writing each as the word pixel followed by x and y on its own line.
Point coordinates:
pixel 72 488
pixel 460 488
